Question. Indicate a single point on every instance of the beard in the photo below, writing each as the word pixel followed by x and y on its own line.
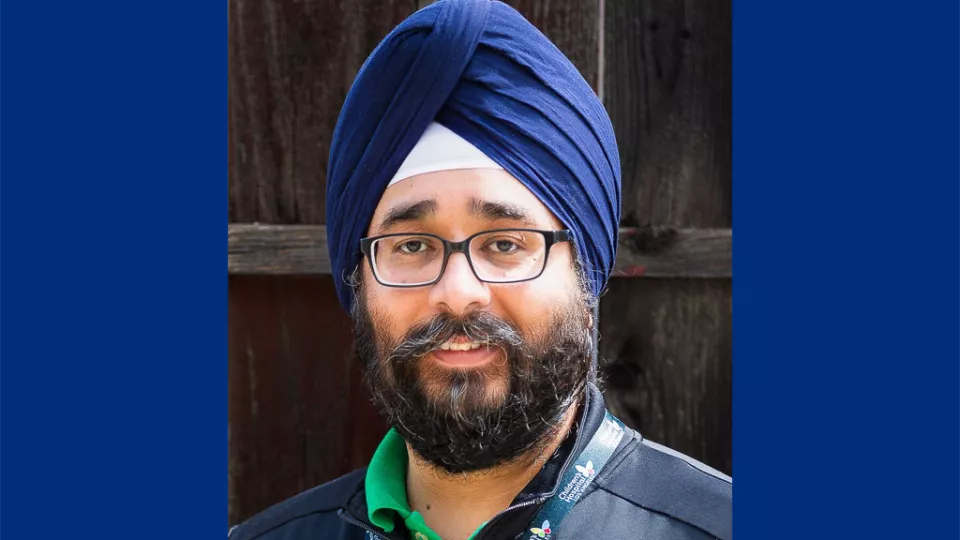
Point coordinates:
pixel 463 420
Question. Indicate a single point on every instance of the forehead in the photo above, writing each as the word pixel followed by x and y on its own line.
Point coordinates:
pixel 456 192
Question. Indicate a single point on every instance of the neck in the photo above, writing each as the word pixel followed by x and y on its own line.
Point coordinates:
pixel 454 505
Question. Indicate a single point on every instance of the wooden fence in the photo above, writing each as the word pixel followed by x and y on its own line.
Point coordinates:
pixel 298 412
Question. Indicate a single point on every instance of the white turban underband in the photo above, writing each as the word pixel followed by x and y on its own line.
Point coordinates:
pixel 440 149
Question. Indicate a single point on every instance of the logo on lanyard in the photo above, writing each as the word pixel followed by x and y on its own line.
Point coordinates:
pixel 543 530
pixel 586 470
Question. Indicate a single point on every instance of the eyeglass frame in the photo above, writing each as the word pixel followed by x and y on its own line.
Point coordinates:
pixel 550 238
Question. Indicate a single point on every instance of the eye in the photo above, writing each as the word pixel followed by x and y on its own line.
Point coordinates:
pixel 504 246
pixel 413 246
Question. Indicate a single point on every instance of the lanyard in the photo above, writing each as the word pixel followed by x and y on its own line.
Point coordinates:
pixel 588 464
pixel 586 467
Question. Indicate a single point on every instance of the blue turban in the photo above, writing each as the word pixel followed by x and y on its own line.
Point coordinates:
pixel 483 71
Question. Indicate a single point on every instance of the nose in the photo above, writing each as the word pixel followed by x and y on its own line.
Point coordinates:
pixel 459 291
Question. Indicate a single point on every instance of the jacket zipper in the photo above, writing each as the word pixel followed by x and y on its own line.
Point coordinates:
pixel 483 532
pixel 350 519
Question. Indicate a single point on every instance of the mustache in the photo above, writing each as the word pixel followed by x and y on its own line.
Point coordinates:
pixel 482 327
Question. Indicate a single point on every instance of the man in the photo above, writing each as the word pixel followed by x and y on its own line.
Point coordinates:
pixel 473 201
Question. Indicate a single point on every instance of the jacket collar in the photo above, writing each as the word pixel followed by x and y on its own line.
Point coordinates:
pixel 542 487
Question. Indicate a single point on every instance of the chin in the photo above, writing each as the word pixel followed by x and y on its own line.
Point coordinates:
pixel 465 390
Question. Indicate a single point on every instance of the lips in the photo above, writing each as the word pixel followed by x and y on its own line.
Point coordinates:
pixel 461 353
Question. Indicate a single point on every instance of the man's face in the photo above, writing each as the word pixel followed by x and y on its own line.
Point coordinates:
pixel 529 345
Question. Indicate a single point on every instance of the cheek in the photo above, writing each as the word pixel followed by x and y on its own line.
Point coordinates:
pixel 532 304
pixel 391 308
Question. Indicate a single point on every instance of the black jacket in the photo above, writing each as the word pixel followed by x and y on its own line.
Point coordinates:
pixel 645 491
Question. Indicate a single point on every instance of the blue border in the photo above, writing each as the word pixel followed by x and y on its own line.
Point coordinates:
pixel 112 214
pixel 113 221
pixel 846 269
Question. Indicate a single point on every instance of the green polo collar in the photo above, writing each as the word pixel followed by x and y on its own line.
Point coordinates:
pixel 386 489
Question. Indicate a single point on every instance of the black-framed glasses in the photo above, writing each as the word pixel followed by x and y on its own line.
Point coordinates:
pixel 495 256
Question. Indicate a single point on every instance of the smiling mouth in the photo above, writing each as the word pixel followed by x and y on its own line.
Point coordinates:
pixel 461 353
pixel 458 345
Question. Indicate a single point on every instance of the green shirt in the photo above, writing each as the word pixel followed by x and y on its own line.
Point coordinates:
pixel 386 487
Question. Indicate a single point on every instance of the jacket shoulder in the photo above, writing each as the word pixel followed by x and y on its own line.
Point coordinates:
pixel 325 498
pixel 665 481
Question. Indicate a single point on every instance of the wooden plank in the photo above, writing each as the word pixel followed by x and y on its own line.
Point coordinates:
pixel 295 391
pixel 667 89
pixel 667 341
pixel 277 249
pixel 665 349
pixel 649 252
pixel 665 252
pixel 291 64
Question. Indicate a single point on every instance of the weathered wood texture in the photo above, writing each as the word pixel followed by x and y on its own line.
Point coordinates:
pixel 277 249
pixel 667 89
pixel 291 65
pixel 665 252
pixel 648 251
pixel 298 415
pixel 666 343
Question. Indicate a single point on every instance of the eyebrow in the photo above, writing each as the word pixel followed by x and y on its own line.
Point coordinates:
pixel 492 210
pixel 495 210
pixel 404 213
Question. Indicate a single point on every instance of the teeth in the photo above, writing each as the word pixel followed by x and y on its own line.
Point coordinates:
pixel 468 346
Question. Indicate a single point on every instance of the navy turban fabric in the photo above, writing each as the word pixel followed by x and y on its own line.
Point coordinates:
pixel 483 71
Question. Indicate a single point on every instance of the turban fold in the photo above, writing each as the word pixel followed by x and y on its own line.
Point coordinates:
pixel 483 71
